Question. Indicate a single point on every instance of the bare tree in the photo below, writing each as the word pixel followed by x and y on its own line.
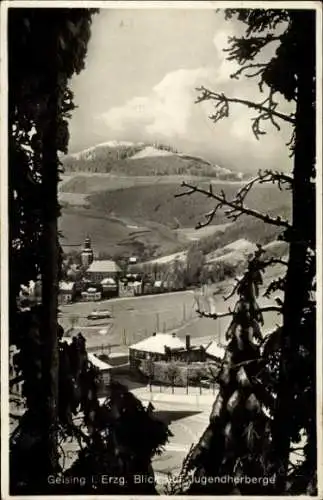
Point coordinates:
pixel 290 72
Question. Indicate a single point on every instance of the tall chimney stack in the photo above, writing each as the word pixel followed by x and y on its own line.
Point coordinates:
pixel 188 342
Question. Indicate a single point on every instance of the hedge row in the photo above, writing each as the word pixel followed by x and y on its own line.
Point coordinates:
pixel 178 374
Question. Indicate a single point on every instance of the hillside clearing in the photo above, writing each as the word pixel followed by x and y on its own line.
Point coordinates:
pixel 86 183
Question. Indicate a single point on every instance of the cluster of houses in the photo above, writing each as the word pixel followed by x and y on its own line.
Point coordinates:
pixel 100 280
pixel 104 279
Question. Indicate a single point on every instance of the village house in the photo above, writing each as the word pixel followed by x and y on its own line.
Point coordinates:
pixel 66 293
pixel 109 287
pixel 130 286
pixel 91 294
pixel 191 353
pixel 103 367
pixel 165 347
pixel 102 269
pixel 157 348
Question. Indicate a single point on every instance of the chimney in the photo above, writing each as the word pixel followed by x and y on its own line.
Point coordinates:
pixel 173 334
pixel 154 334
pixel 188 342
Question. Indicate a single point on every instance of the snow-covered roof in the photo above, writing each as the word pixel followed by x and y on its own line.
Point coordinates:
pixel 214 349
pixel 98 363
pixel 103 266
pixel 108 281
pixel 156 343
pixel 66 286
pixel 67 340
pixel 115 355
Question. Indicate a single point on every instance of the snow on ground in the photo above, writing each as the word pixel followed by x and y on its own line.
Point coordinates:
pixel 167 259
pixel 233 252
pixel 241 245
pixel 89 153
pixel 150 151
pixel 196 234
pixel 277 246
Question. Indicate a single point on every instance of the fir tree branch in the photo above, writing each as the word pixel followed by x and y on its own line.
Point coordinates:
pixel 14 416
pixel 237 208
pixel 221 99
pixel 259 70
pixel 274 260
pixel 16 380
pixel 278 284
pixel 79 434
pixel 204 314
pixel 244 49
pixel 264 177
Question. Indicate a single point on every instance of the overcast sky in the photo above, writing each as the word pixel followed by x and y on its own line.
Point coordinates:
pixel 139 84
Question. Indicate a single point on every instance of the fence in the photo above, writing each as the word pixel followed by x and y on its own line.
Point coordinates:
pixel 193 390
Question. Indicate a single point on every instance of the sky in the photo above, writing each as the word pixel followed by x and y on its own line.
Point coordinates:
pixel 139 84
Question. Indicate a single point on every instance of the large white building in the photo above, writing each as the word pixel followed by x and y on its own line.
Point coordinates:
pixel 102 269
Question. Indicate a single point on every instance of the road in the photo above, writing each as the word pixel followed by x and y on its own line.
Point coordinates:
pixel 132 318
pixel 135 318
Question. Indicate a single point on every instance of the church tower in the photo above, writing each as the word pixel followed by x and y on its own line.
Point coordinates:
pixel 87 252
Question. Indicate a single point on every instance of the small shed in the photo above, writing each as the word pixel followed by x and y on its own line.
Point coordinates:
pixel 215 351
pixel 91 294
pixel 66 292
pixel 105 368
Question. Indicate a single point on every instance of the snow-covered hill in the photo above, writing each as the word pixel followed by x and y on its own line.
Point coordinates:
pixel 94 151
pixel 146 159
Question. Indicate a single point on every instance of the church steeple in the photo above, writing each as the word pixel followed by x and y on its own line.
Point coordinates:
pixel 87 252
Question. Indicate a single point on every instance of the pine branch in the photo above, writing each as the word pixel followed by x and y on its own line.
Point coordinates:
pixel 234 289
pixel 246 48
pixel 79 434
pixel 16 380
pixel 278 284
pixel 239 282
pixel 204 314
pixel 14 416
pixel 221 99
pixel 264 177
pixel 259 70
pixel 237 208
pixel 274 261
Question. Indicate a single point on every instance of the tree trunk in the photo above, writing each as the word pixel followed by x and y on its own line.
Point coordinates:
pixel 296 288
pixel 50 272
